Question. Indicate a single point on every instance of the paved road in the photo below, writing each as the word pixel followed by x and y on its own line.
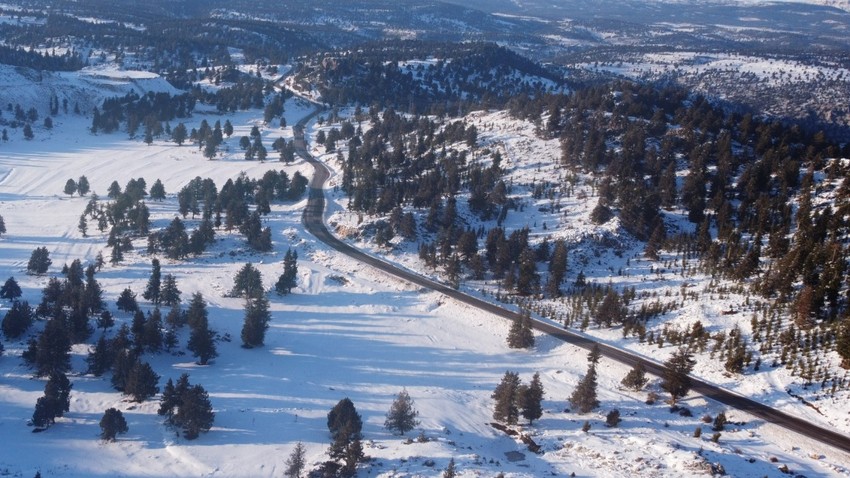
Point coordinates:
pixel 314 223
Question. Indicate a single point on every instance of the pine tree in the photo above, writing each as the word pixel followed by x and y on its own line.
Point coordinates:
pixel 152 331
pixel 450 471
pixel 520 335
pixel 584 395
pixel 70 187
pixel 99 359
pixel 195 413
pixel 202 342
pixel 2 226
pixel 112 424
pixel 83 186
pixel 152 290
pixel 675 379
pixel 197 311
pixel 127 301
pixel 345 426
pixel 141 382
pixel 55 401
pixel 719 422
pixel 296 462
pixel 10 290
pixel 531 399
pixel 248 282
pixel 256 323
pixel 169 294
pixel 636 378
pixel 53 350
pixel 289 278
pixel 17 320
pixel 506 396
pixel 39 261
pixel 157 191
pixel 401 417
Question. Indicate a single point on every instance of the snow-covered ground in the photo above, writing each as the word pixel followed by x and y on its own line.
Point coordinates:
pixel 346 331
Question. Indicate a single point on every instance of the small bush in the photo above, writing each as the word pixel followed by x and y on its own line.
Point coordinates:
pixel 613 418
pixel 698 432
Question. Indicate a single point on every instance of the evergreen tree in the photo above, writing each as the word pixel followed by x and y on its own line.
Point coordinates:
pixel 53 349
pixel 141 382
pixel 450 471
pixel 117 254
pixel 17 320
pixel 152 289
pixel 531 399
pixel 520 335
pixel 55 401
pixel 256 323
pixel 70 187
pixel 127 301
pixel 157 191
pixel 2 226
pixel 83 186
pixel 179 134
pixel 112 424
pixel 195 413
pixel 152 332
pixel 289 278
pixel 105 320
pixel 10 290
pixel 676 379
pixel 99 359
pixel 248 282
pixel 584 395
pixel 345 426
pixel 506 396
pixel 636 378
pixel 197 311
pixel 39 261
pixel 202 342
pixel 169 294
pixel 719 423
pixel 401 417
pixel 296 462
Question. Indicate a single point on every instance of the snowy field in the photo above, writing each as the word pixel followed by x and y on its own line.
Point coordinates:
pixel 346 331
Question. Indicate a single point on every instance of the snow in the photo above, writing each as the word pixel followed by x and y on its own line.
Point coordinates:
pixel 346 331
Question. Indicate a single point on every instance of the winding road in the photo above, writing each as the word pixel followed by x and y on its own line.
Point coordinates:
pixel 314 223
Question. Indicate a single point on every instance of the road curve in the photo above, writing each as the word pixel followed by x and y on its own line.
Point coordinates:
pixel 314 223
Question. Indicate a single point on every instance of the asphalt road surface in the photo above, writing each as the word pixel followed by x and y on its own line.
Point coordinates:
pixel 314 223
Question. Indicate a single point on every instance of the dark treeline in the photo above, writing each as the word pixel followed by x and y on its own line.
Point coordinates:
pixel 480 74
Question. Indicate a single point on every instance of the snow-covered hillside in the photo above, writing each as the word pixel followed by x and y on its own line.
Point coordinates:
pixel 346 331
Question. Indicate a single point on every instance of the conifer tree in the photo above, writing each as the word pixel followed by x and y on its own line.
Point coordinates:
pixel 202 342
pixel 169 294
pixel 450 471
pixel 99 359
pixel 296 462
pixel 53 350
pixel 675 379
pixel 195 413
pixel 152 290
pixel 584 395
pixel 141 382
pixel 636 378
pixel 17 320
pixel 112 424
pixel 248 282
pixel 345 426
pixel 520 335
pixel 289 278
pixel 531 399
pixel 256 322
pixel 157 191
pixel 506 396
pixel 55 401
pixel 127 301
pixel 10 290
pixel 39 261
pixel 401 417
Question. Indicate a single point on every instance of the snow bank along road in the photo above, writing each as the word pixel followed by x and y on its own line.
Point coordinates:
pixel 314 223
